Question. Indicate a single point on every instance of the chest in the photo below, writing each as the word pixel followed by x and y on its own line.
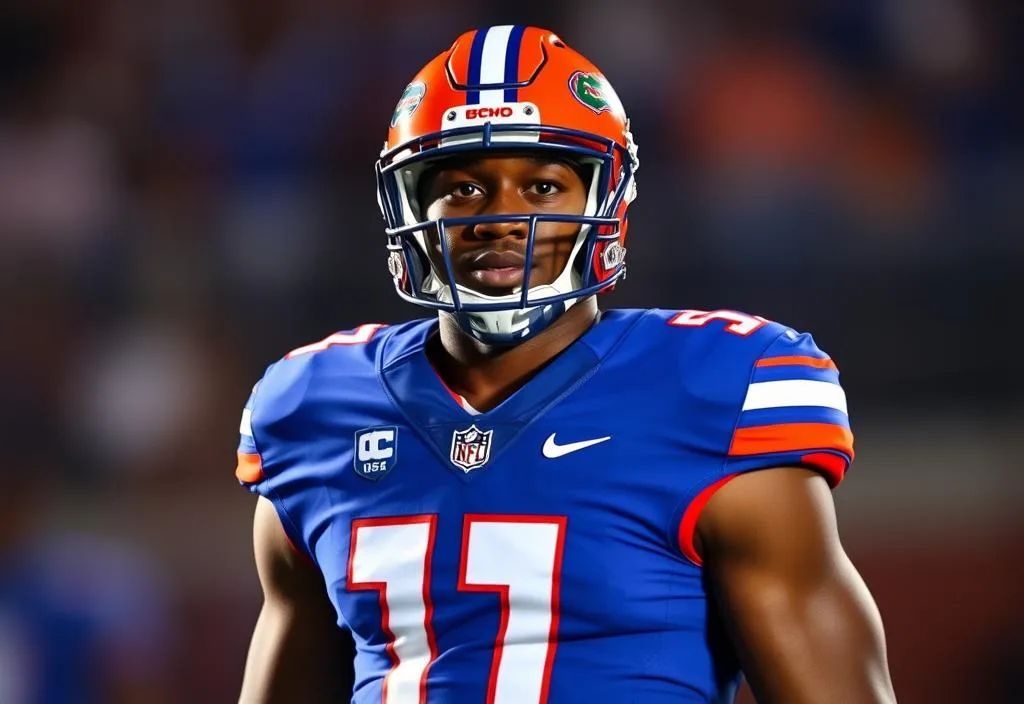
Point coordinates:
pixel 569 514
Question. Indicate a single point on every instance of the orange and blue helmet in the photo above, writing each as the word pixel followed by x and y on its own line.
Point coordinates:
pixel 504 88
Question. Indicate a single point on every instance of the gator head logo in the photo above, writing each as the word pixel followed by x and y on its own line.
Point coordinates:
pixel 410 100
pixel 588 88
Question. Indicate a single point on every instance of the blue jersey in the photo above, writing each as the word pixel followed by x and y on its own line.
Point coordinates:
pixel 541 551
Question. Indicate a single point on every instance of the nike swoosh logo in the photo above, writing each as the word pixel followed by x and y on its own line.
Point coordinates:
pixel 552 449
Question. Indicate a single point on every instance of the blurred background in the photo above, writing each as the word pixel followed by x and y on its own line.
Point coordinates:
pixel 187 192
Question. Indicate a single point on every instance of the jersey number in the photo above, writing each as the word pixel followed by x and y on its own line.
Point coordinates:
pixel 739 323
pixel 359 336
pixel 516 558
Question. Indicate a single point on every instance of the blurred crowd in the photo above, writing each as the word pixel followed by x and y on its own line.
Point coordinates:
pixel 187 192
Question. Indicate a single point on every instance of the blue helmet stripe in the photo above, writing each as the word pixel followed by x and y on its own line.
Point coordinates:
pixel 476 53
pixel 512 62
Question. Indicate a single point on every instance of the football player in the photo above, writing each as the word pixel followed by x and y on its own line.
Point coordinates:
pixel 521 498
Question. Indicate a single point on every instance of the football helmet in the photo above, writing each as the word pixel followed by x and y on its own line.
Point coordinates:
pixel 507 88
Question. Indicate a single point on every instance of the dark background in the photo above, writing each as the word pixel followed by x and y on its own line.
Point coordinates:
pixel 186 193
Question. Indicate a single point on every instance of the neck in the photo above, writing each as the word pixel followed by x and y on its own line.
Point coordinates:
pixel 485 375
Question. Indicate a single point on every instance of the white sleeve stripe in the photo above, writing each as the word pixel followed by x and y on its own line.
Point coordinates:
pixel 245 427
pixel 794 392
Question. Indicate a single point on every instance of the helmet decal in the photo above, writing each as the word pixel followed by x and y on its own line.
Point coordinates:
pixel 411 98
pixel 588 88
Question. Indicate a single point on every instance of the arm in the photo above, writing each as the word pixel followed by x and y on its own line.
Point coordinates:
pixel 802 622
pixel 297 653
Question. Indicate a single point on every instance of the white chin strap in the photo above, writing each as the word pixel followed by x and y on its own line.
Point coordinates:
pixel 512 323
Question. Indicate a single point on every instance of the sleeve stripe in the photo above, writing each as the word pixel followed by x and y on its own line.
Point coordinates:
pixel 794 392
pixel 790 437
pixel 817 362
pixel 793 414
pixel 250 468
pixel 784 373
pixel 245 426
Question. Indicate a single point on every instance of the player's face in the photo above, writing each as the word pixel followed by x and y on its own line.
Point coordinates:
pixel 489 257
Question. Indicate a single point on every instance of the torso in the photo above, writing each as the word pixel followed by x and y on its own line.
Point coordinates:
pixel 491 558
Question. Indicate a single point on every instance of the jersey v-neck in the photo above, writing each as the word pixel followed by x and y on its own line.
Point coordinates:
pixel 435 412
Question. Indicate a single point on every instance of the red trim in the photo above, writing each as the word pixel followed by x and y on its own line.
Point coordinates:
pixel 503 592
pixel 381 589
pixel 556 590
pixel 688 524
pixel 832 467
pixel 301 553
pixel 428 609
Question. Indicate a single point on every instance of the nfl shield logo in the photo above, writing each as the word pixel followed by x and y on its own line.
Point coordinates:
pixel 471 448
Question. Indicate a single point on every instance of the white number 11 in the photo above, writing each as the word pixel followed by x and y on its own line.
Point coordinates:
pixel 519 558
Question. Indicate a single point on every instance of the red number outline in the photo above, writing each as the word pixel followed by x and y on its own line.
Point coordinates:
pixel 741 324
pixel 503 592
pixel 380 588
pixel 359 336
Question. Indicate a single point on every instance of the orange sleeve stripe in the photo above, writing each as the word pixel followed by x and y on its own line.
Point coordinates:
pixel 815 362
pixel 250 468
pixel 789 437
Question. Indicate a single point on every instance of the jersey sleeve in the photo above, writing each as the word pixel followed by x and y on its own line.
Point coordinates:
pixel 264 447
pixel 794 412
pixel 790 411
pixel 249 466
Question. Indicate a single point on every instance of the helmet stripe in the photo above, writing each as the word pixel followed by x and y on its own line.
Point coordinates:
pixel 515 40
pixel 475 53
pixel 492 63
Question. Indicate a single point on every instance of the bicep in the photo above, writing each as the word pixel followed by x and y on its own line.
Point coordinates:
pixel 801 618
pixel 297 652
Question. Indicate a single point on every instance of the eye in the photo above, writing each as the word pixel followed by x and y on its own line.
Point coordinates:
pixel 465 189
pixel 545 188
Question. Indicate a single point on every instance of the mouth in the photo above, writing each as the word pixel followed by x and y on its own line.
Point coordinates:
pixel 499 277
pixel 497 270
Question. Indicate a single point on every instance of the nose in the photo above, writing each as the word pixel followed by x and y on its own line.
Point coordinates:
pixel 504 200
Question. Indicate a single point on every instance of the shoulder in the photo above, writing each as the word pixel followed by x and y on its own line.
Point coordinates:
pixel 294 380
pixel 724 337
pixel 752 394
pixel 706 348
pixel 327 376
pixel 309 388
pixel 332 369
pixel 721 330
pixel 755 389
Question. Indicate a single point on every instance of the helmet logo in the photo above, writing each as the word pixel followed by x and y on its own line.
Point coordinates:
pixel 395 266
pixel 588 88
pixel 485 111
pixel 613 255
pixel 410 100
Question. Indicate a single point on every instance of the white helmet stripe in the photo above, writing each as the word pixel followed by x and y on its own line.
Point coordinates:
pixel 492 63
